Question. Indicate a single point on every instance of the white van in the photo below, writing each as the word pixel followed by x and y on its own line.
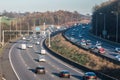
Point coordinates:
pixel 23 46
pixel 43 51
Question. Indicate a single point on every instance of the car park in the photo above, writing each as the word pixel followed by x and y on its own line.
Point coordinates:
pixel 64 74
pixel 40 70
pixel 89 76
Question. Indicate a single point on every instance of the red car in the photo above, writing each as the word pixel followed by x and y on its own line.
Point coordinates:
pixel 65 73
pixel 90 76
pixel 101 50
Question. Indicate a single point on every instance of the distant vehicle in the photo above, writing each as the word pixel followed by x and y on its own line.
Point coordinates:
pixel 80 36
pixel 23 38
pixel 83 40
pixel 83 43
pixel 83 27
pixel 43 51
pixel 37 42
pixel 91 47
pixel 101 50
pixel 88 42
pixel 42 59
pixel 23 46
pixel 89 76
pixel 117 50
pixel 64 73
pixel 118 57
pixel 29 45
pixel 98 45
pixel 40 70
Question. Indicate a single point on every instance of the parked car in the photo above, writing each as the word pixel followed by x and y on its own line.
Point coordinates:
pixel 89 76
pixel 40 70
pixel 65 73
pixel 117 50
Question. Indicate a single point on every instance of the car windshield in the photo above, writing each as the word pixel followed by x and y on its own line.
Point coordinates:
pixel 40 68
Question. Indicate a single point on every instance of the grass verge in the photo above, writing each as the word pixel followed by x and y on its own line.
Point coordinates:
pixel 68 50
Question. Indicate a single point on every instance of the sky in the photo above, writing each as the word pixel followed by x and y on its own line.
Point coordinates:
pixel 82 6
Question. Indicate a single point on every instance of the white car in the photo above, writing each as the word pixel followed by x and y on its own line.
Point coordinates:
pixel 83 43
pixel 117 50
pixel 118 57
pixel 23 38
pixel 42 60
pixel 98 46
pixel 37 43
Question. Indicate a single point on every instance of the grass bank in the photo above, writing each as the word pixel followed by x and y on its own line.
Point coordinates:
pixel 68 50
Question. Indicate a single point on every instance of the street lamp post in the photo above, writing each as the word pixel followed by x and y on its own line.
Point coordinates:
pixel 0 29
pixel 117 27
pixel 16 28
pixel 117 19
pixel 104 29
pixel 10 29
pixel 96 25
pixel 49 39
pixel 3 37
pixel 28 28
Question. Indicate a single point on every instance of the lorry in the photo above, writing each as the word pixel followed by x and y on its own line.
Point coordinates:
pixel 23 46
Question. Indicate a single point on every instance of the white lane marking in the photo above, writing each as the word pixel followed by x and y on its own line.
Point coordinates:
pixel 12 63
pixel 23 60
pixel 65 64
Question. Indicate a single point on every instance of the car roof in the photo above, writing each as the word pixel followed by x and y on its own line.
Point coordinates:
pixel 90 74
pixel 64 71
pixel 40 67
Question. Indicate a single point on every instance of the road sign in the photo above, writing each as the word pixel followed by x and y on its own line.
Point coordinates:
pixel 37 28
pixel 104 32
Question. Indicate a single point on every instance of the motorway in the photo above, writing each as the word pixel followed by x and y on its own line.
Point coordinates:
pixel 24 62
pixel 77 33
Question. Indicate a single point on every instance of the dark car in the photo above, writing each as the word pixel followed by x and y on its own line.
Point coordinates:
pixel 40 70
pixel 89 76
pixel 65 73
